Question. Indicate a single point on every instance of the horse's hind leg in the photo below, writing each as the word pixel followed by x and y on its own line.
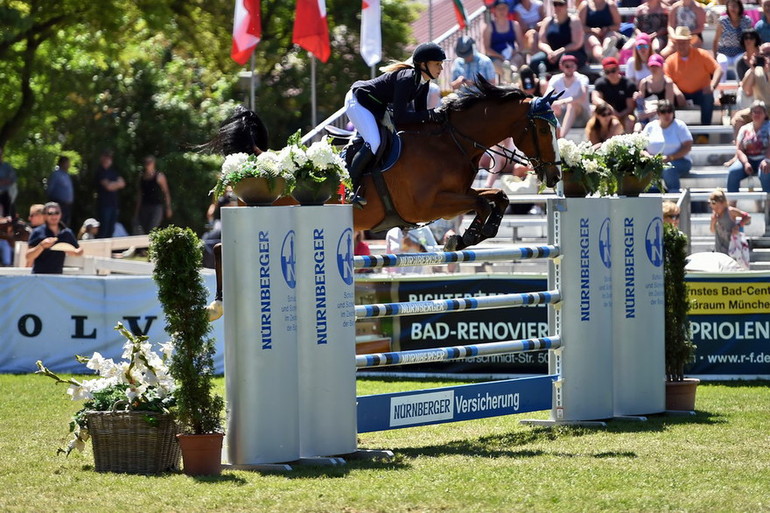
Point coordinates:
pixel 500 202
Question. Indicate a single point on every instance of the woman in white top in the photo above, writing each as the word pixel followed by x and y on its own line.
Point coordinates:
pixel 530 13
pixel 671 138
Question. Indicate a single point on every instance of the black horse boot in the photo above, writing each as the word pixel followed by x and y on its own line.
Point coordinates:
pixel 357 167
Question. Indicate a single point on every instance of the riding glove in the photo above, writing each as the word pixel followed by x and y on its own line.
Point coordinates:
pixel 437 116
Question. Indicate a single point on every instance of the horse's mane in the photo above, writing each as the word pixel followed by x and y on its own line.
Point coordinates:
pixel 483 90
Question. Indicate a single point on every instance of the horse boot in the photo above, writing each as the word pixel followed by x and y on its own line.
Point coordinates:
pixel 357 167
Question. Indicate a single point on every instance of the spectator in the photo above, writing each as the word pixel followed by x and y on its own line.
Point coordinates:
pixel 671 138
pixel 361 248
pixel 530 13
pixel 108 183
pixel 559 34
pixel 654 88
pixel 153 198
pixel 652 18
pixel 418 240
pixel 574 101
pixel 671 213
pixel 755 85
pixel 36 217
pixel 616 90
pixel 503 40
pixel 636 66
pixel 7 241
pixel 89 230
pixel 601 22
pixel 469 63
pixel 727 39
pixel 7 187
pixel 752 150
pixel 60 189
pixel 46 260
pixel 725 220
pixel 685 13
pixel 529 82
pixel 763 25
pixel 750 42
pixel 602 125
pixel 694 71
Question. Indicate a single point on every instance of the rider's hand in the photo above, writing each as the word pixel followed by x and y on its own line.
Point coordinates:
pixel 437 116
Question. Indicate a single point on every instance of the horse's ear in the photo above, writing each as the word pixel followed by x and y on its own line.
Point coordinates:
pixel 550 97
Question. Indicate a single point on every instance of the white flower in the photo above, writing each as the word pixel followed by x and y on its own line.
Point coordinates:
pixel 79 393
pixel 234 162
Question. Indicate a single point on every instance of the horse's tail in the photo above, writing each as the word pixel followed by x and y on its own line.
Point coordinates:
pixel 242 132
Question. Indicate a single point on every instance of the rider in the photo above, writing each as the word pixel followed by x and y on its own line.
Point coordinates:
pixel 401 84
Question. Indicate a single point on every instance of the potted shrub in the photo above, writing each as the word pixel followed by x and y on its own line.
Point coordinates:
pixel 582 168
pixel 255 179
pixel 631 169
pixel 318 170
pixel 177 254
pixel 126 412
pixel 680 351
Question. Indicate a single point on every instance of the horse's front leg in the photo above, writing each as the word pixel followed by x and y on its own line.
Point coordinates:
pixel 500 202
pixel 452 204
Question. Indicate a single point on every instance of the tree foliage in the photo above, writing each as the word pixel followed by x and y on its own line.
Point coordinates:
pixel 156 77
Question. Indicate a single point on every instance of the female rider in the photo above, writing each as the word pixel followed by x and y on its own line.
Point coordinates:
pixel 401 84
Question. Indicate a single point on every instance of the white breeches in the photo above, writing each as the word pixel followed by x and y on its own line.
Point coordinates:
pixel 363 120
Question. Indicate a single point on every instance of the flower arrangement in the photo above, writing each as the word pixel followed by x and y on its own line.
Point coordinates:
pixel 625 155
pixel 295 163
pixel 142 382
pixel 584 164
pixel 238 166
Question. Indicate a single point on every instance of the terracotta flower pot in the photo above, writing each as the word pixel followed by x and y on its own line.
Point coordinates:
pixel 680 395
pixel 256 191
pixel 632 186
pixel 573 187
pixel 309 192
pixel 201 454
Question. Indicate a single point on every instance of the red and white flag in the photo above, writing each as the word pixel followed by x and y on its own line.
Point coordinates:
pixel 247 30
pixel 311 31
pixel 371 34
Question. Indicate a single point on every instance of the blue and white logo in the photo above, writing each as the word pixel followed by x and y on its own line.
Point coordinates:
pixel 345 256
pixel 653 242
pixel 604 243
pixel 289 260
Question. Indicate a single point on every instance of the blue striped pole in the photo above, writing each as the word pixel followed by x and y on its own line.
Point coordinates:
pixel 448 257
pixel 440 354
pixel 456 305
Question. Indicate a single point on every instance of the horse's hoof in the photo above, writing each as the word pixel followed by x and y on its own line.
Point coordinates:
pixel 215 310
pixel 452 243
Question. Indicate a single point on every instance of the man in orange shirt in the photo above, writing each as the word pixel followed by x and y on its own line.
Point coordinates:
pixel 694 71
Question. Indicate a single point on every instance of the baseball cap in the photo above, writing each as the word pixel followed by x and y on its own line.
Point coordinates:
pixel 91 223
pixel 568 58
pixel 464 46
pixel 609 62
pixel 642 39
pixel 655 60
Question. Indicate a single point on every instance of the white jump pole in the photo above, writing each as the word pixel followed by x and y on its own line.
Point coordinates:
pixel 638 307
pixel 259 279
pixel 326 330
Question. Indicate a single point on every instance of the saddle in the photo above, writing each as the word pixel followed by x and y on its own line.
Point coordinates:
pixel 387 155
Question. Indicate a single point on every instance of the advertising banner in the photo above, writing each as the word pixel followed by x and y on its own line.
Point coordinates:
pixel 259 280
pixel 730 324
pixel 638 319
pixel 326 331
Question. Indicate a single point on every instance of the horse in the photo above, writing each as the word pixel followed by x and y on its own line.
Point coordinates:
pixel 432 179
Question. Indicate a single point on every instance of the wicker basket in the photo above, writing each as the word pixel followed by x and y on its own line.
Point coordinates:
pixel 133 442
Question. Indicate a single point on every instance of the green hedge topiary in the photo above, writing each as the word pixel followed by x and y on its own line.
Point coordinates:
pixel 680 350
pixel 177 254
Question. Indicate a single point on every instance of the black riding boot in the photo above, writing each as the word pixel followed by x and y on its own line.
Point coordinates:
pixel 357 167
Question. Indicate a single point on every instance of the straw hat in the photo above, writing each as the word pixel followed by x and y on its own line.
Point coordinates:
pixel 681 33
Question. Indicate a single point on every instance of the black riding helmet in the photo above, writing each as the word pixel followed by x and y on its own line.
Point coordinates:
pixel 427 52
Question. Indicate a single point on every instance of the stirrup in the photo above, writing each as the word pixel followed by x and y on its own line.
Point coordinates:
pixel 356 200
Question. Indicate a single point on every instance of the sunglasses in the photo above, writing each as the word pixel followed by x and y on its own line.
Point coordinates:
pixel 52 213
pixel 611 70
pixel 642 47
pixel 672 216
pixel 605 115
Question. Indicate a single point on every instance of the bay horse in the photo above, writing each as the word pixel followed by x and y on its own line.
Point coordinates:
pixel 434 175
pixel 432 179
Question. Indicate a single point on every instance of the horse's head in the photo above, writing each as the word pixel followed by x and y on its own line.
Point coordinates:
pixel 542 125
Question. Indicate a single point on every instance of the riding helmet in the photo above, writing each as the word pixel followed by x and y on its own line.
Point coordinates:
pixel 428 52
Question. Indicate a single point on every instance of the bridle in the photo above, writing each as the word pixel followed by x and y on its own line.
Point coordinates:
pixel 515 156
